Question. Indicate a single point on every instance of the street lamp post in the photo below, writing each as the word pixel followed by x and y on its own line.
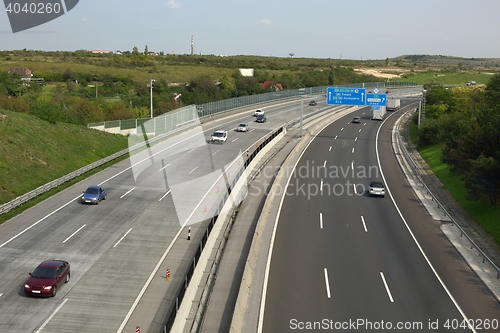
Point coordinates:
pixel 151 94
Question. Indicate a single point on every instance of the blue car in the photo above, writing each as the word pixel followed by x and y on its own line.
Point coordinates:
pixel 261 119
pixel 93 195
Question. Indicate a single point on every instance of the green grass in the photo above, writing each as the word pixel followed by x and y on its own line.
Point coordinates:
pixel 483 213
pixel 34 152
pixel 445 77
pixel 413 132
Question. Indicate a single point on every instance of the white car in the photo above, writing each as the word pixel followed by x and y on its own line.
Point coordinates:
pixel 219 136
pixel 242 128
pixel 376 188
pixel 258 112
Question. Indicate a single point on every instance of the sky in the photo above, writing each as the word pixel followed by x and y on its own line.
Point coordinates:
pixel 336 29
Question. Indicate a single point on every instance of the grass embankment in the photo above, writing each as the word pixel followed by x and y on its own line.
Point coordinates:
pixel 34 152
pixel 483 213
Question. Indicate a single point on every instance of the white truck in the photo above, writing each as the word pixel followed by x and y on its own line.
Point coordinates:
pixel 378 113
pixel 393 104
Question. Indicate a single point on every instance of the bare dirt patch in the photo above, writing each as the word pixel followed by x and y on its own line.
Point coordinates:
pixel 382 73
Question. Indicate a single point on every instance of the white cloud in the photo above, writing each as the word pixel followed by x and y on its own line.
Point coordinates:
pixel 84 19
pixel 265 22
pixel 173 4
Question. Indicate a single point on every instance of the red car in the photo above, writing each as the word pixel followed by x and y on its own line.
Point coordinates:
pixel 47 277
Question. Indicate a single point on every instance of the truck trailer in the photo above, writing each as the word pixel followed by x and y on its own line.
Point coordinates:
pixel 378 113
pixel 393 104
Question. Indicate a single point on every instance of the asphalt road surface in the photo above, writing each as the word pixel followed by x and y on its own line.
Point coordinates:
pixel 114 247
pixel 345 261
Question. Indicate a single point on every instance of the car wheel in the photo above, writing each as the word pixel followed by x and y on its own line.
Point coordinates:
pixel 67 278
pixel 97 202
pixel 54 292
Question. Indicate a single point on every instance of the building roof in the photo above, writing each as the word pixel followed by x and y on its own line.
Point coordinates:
pixel 274 86
pixel 23 71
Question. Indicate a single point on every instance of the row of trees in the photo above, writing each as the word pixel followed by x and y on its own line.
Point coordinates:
pixel 466 121
pixel 83 98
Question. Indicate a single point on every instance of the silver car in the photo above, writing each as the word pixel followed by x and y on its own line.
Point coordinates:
pixel 242 128
pixel 376 188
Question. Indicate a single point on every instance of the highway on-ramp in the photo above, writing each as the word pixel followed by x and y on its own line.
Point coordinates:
pixel 344 261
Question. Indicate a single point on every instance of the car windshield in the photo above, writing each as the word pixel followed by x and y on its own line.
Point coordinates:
pixel 218 134
pixel 243 125
pixel 92 190
pixel 45 273
pixel 378 185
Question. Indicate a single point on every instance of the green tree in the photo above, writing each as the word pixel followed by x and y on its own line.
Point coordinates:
pixel 483 181
pixel 492 91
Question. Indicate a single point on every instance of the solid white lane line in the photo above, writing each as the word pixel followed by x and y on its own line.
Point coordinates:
pixel 164 195
pixel 464 316
pixel 129 230
pixel 51 316
pixel 193 170
pixel 364 224
pixel 386 287
pixel 164 167
pixel 37 222
pixel 215 152
pixel 67 239
pixel 321 220
pixel 263 297
pixel 327 284
pixel 330 148
pixel 133 188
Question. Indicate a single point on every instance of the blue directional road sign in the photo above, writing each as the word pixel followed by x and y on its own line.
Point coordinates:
pixel 376 99
pixel 345 96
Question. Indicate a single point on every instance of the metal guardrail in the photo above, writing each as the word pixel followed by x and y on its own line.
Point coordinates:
pixel 5 208
pixel 178 297
pixel 414 167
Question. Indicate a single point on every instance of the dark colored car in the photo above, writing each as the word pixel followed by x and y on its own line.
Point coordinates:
pixel 356 120
pixel 261 119
pixel 93 195
pixel 376 188
pixel 47 278
pixel 312 103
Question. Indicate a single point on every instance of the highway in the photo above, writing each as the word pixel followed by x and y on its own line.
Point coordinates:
pixel 114 248
pixel 344 261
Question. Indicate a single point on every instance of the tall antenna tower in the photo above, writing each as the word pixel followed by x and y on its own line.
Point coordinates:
pixel 192 45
